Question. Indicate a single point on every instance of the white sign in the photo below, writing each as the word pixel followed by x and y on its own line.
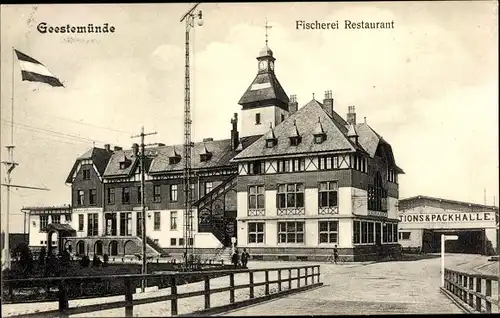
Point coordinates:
pixel 451 237
pixel 377 213
pixel 447 217
pixel 87 210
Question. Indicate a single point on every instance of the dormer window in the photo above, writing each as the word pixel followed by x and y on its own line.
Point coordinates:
pixel 123 165
pixel 295 137
pixel 205 155
pixel 295 141
pixel 124 162
pixel 271 139
pixel 319 133
pixel 174 157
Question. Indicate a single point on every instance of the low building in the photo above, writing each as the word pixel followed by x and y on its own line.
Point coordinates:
pixel 424 219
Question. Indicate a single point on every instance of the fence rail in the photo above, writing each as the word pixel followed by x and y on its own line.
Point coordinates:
pixel 308 275
pixel 470 292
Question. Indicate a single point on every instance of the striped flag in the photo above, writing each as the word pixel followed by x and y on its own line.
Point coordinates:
pixel 34 71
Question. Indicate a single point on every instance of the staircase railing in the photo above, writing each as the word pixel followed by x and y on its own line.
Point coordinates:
pixel 225 186
pixel 154 245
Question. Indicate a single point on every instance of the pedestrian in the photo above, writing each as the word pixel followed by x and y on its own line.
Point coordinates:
pixel 335 254
pixel 235 259
pixel 244 258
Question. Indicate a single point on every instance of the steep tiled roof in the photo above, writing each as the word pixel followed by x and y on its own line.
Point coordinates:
pixel 303 119
pixel 265 87
pixel 99 156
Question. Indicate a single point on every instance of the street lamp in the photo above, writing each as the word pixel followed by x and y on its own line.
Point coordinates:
pixel 189 18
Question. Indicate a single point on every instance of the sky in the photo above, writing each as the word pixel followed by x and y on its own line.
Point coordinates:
pixel 429 86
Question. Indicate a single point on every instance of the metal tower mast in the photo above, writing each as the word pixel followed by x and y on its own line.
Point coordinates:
pixel 189 18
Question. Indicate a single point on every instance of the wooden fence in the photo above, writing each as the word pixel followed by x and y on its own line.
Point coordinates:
pixel 308 275
pixel 470 292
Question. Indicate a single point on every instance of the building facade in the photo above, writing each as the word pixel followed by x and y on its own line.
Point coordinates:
pixel 424 219
pixel 293 183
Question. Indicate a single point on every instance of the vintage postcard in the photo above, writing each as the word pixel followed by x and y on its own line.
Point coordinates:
pixel 275 158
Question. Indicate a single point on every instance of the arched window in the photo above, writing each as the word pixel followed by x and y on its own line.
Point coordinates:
pixel 377 195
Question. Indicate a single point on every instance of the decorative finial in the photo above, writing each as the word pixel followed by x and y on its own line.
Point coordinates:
pixel 271 125
pixel 313 95
pixel 319 119
pixel 267 27
pixel 93 144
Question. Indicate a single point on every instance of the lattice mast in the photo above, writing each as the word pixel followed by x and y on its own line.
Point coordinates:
pixel 188 211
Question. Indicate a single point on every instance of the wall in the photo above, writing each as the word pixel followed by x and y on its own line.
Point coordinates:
pixel 415 238
pixel 267 115
pixel 80 184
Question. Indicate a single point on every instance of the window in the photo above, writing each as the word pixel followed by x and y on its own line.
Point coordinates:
pixel 395 232
pixel 191 241
pixel 92 196
pixel 256 232
pixel 173 192
pixel 86 174
pixel 356 232
pixel 157 221
pixel 173 241
pixel 256 167
pixel 391 176
pixel 80 222
pixel 68 217
pixel 256 197
pixel 390 234
pixel 44 221
pixel 181 242
pixel 282 117
pixel 291 195
pixel 378 233
pixel 125 224
pixel 92 224
pixel 125 195
pixel 193 192
pixel 81 197
pixel 365 232
pixel 257 119
pixel 377 195
pixel 319 139
pixel 56 219
pixel 270 143
pixel 290 232
pixel 328 231
pixel 328 162
pixel 123 165
pixel 293 165
pixel 295 141
pixel 111 196
pixel 404 235
pixel 208 187
pixel 139 194
pixel 173 220
pixel 328 194
pixel 157 193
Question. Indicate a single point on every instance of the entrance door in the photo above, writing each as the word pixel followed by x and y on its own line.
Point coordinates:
pixel 427 241
pixel 230 230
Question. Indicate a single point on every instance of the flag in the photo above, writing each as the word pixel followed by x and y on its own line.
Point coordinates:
pixel 34 71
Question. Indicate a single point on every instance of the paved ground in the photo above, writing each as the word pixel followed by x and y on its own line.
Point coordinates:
pixel 369 288
pixel 408 287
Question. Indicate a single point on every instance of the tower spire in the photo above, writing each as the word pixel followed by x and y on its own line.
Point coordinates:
pixel 267 26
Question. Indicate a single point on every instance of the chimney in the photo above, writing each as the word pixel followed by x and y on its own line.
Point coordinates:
pixel 351 115
pixel 207 139
pixel 328 103
pixel 135 148
pixel 160 144
pixel 107 147
pixel 293 106
pixel 116 148
pixel 234 132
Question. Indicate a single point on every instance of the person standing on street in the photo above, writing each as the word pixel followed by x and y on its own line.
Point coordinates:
pixel 244 258
pixel 335 254
pixel 235 259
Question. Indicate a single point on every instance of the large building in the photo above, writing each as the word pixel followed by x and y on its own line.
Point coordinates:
pixel 293 183
pixel 424 219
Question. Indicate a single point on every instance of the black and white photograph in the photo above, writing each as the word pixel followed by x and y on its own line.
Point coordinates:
pixel 249 158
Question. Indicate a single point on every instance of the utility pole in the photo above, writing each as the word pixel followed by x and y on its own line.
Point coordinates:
pixel 142 157
pixel 189 18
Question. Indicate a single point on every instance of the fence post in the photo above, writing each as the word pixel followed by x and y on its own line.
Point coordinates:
pixel 173 293
pixel 298 277
pixel 250 274
pixel 478 290
pixel 279 280
pixel 312 274
pixel 488 294
pixel 231 291
pixel 465 294
pixel 267 282
pixel 471 289
pixel 63 298
pixel 129 307
pixel 307 272
pixel 207 292
pixel 289 279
